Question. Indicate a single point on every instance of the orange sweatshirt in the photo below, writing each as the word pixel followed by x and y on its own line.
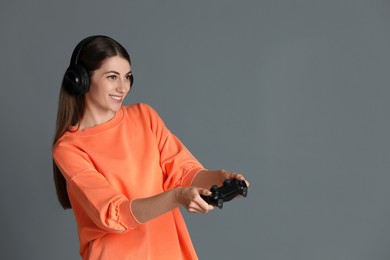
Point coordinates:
pixel 107 166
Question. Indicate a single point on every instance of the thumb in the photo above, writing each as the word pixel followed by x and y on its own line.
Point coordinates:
pixel 204 192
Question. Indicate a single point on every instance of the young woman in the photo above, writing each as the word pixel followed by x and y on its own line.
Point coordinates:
pixel 119 167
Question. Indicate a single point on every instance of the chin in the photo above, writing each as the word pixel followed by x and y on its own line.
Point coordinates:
pixel 117 108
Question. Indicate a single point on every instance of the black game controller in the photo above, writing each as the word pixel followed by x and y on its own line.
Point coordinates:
pixel 228 191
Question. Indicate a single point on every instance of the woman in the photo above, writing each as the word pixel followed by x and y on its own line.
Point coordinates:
pixel 120 169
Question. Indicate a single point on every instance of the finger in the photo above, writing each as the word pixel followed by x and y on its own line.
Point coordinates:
pixel 201 207
pixel 205 207
pixel 237 176
pixel 240 177
pixel 204 192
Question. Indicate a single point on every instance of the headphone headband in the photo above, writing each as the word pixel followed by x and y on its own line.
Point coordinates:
pixel 77 50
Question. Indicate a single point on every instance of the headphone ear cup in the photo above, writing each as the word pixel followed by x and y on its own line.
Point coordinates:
pixel 76 80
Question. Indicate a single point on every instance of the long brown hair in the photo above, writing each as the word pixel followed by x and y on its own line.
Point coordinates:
pixel 71 107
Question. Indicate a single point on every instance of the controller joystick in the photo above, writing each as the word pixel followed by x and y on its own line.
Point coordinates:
pixel 228 191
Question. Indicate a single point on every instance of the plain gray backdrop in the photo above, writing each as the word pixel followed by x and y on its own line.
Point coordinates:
pixel 293 94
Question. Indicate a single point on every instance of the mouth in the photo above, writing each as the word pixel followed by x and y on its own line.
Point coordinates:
pixel 116 98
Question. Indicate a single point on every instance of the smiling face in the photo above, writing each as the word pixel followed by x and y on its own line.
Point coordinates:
pixel 109 86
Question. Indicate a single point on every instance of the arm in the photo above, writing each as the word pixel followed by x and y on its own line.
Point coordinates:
pixel 184 177
pixel 101 201
pixel 146 209
pixel 188 196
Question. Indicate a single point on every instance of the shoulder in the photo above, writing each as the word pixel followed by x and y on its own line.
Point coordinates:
pixel 137 106
pixel 140 109
pixel 65 146
pixel 142 114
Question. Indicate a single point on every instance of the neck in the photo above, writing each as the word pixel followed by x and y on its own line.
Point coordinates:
pixel 92 118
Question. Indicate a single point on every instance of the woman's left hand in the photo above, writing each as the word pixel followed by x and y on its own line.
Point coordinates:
pixel 232 175
pixel 208 178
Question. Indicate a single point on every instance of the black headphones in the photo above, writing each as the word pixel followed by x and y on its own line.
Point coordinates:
pixel 76 78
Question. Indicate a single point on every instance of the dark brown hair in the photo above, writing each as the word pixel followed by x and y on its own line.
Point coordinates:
pixel 70 107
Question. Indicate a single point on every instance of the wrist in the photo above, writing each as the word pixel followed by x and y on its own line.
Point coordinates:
pixel 177 194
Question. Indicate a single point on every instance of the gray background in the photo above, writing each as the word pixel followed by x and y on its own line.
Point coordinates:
pixel 293 94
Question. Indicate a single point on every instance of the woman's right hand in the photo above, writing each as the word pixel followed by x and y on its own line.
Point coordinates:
pixel 190 198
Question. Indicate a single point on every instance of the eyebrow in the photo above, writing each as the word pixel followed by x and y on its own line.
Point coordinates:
pixel 116 72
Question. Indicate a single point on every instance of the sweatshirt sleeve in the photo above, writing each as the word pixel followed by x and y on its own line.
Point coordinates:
pixel 108 209
pixel 178 164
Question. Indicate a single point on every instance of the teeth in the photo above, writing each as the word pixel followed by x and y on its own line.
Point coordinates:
pixel 116 98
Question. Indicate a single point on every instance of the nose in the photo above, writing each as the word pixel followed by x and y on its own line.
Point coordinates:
pixel 123 86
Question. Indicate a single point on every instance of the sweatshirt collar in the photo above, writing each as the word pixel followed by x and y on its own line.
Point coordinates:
pixel 99 128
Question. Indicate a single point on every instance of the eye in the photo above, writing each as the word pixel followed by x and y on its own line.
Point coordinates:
pixel 112 77
pixel 127 77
